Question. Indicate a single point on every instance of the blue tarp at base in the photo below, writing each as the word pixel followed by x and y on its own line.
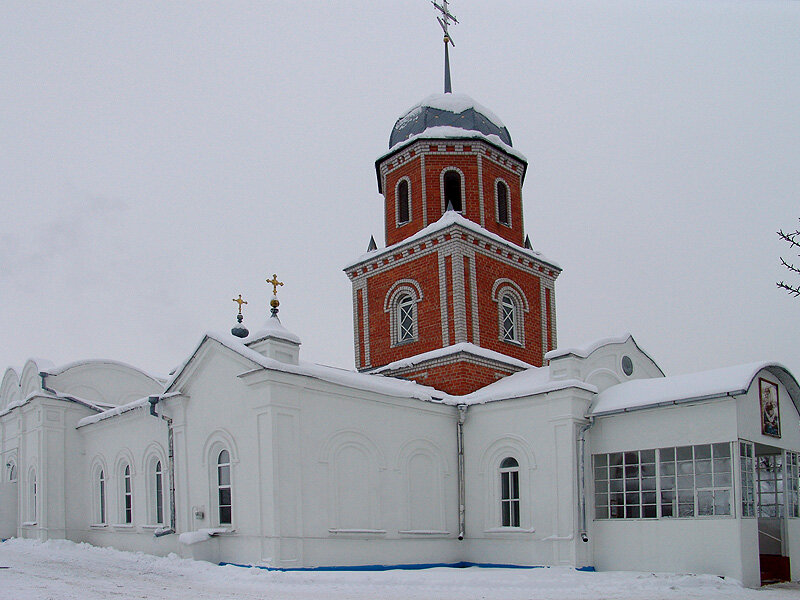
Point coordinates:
pixel 410 567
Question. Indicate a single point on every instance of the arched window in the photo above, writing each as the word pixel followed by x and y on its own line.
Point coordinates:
pixel 405 318
pixel 224 504
pixel 509 492
pixel 503 209
pixel 101 497
pixel 451 183
pixel 508 319
pixel 403 202
pixel 126 490
pixel 158 493
pixel 33 492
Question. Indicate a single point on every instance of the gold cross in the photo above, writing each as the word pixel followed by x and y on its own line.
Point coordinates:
pixel 274 283
pixel 239 301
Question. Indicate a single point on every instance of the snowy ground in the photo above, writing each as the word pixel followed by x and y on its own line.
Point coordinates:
pixel 63 570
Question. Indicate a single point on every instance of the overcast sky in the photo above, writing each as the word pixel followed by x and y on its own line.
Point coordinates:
pixel 159 158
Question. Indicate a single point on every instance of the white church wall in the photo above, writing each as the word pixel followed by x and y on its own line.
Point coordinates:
pixel 750 428
pixel 10 468
pixel 540 433
pixel 696 545
pixel 749 416
pixel 322 474
pixel 133 438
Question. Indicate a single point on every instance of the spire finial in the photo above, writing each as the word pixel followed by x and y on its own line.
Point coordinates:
pixel 445 20
pixel 274 283
pixel 240 330
pixel 274 303
pixel 239 301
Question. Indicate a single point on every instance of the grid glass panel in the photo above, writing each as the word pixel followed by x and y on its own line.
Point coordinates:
pixel 748 467
pixel 685 481
pixel 224 487
pixel 792 463
pixel 509 492
pixel 769 471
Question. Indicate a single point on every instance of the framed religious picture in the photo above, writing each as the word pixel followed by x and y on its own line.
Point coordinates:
pixel 770 416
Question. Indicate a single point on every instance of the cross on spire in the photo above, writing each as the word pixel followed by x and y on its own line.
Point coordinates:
pixel 274 283
pixel 445 20
pixel 239 301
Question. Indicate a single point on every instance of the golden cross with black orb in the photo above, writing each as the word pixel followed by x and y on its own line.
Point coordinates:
pixel 239 301
pixel 274 283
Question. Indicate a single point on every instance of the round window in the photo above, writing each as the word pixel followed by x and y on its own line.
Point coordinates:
pixel 627 365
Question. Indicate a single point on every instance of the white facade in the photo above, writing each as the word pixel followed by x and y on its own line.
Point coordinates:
pixel 326 467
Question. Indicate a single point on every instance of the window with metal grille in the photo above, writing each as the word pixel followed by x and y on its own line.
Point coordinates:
pixel 509 492
pixel 224 500
pixel 508 318
pixel 405 318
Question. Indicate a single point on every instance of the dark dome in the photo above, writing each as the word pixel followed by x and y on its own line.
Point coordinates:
pixel 448 111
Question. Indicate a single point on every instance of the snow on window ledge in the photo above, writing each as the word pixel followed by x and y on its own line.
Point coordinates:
pixel 337 531
pixel 515 530
pixel 123 526
pixel 431 532
pixel 29 524
pixel 98 526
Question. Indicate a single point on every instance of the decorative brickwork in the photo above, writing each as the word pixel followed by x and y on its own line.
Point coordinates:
pixel 454 279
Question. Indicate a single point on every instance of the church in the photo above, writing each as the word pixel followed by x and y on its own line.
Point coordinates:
pixel 464 436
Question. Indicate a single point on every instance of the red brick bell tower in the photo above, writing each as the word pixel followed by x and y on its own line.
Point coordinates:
pixel 457 299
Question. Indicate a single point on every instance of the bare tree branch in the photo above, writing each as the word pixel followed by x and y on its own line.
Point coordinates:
pixel 793 239
pixel 789 266
pixel 792 290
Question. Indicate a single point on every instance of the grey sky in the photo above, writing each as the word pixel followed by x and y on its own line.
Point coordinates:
pixel 157 159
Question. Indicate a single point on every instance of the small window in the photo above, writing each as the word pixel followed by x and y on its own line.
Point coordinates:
pixel 224 487
pixel 403 202
pixel 33 492
pixel 509 492
pixel 452 191
pixel 508 318
pixel 503 212
pixel 158 491
pixel 127 495
pixel 101 496
pixel 12 472
pixel 405 318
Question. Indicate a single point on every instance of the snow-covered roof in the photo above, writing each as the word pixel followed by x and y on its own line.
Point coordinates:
pixel 55 371
pixel 455 115
pixel 449 218
pixel 693 387
pixel 373 383
pixel 531 382
pixel 447 132
pixel 273 328
pixel 96 406
pixel 121 409
pixel 467 347
pixel 584 350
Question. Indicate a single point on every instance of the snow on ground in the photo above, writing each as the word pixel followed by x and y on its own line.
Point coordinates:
pixel 62 570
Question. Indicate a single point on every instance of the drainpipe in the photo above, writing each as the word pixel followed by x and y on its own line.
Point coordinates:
pixel 462 416
pixel 171 465
pixel 582 477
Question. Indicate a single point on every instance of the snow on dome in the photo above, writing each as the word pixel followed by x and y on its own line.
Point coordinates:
pixel 448 110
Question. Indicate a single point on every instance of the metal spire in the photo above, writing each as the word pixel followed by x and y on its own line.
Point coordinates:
pixel 445 20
